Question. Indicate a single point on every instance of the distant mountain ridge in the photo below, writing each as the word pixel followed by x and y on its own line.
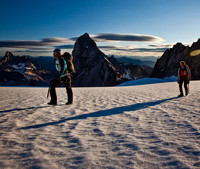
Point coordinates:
pixel 168 64
pixel 135 61
pixel 94 68
pixel 22 70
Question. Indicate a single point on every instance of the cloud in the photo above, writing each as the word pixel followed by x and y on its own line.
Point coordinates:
pixel 34 43
pixel 149 49
pixel 32 51
pixel 20 43
pixel 162 46
pixel 65 46
pixel 111 37
pixel 129 49
pixel 126 37
pixel 56 40
pixel 132 50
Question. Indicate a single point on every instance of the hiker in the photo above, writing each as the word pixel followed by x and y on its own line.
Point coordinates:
pixel 184 76
pixel 63 76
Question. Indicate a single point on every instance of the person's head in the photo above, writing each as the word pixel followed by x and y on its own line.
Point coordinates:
pixel 182 64
pixel 57 53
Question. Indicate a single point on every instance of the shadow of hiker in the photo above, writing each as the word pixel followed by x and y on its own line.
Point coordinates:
pixel 101 113
pixel 20 109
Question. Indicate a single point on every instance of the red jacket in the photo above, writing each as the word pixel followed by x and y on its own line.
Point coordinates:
pixel 184 73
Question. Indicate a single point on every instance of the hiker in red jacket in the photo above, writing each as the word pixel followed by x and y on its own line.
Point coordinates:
pixel 184 76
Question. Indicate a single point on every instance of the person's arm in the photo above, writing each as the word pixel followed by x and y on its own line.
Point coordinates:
pixel 62 68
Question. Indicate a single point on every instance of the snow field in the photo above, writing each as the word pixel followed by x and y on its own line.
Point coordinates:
pixel 144 126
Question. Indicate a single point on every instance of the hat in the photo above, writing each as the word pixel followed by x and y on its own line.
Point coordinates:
pixel 57 51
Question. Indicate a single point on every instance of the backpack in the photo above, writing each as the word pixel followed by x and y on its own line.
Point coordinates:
pixel 68 58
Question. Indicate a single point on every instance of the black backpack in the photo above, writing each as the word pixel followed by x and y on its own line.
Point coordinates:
pixel 68 58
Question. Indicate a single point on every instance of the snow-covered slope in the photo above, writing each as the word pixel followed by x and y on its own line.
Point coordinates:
pixel 144 81
pixel 144 126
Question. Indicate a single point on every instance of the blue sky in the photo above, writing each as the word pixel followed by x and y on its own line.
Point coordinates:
pixel 36 27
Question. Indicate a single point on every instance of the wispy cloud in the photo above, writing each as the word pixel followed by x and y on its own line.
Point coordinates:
pixel 46 45
pixel 162 46
pixel 131 50
pixel 65 46
pixel 126 37
pixel 56 40
pixel 34 43
pixel 128 49
pixel 118 37
pixel 32 51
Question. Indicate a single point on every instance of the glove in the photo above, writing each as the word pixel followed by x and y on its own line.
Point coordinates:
pixel 178 81
pixel 188 81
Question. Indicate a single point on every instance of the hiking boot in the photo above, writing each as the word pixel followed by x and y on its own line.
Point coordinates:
pixel 180 95
pixel 52 103
pixel 69 103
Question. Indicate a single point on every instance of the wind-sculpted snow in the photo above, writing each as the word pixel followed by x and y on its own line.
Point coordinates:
pixel 143 126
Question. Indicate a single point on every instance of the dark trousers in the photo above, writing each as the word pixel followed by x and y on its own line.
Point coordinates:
pixel 66 80
pixel 185 81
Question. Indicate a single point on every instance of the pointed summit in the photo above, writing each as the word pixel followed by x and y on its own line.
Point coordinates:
pixel 83 45
pixel 86 35
pixel 92 66
pixel 8 56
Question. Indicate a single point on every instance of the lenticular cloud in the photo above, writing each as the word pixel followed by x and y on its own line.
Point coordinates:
pixel 127 37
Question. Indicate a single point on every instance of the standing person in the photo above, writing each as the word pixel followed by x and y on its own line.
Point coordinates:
pixel 184 76
pixel 63 77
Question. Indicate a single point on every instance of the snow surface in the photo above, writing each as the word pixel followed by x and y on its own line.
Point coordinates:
pixel 143 126
pixel 143 81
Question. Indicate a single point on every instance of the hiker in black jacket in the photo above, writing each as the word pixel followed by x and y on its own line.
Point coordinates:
pixel 63 77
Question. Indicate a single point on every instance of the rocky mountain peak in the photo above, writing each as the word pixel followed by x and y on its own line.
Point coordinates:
pixel 86 35
pixel 86 53
pixel 196 45
pixel 177 48
pixel 168 64
pixel 8 56
pixel 85 47
pixel 93 67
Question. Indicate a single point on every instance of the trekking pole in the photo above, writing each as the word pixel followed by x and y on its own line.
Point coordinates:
pixel 48 92
pixel 188 89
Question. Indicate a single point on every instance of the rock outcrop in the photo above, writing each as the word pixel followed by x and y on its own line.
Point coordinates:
pixel 93 67
pixel 168 64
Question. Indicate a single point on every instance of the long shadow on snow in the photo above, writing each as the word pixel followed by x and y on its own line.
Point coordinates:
pixel 101 113
pixel 20 109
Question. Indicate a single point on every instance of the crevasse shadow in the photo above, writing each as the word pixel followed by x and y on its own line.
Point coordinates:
pixel 101 113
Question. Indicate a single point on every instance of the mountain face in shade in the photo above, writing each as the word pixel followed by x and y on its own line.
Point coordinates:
pixel 93 67
pixel 168 64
